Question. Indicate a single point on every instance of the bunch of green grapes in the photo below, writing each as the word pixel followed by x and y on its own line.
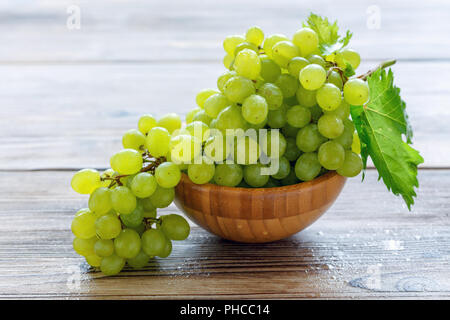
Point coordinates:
pixel 285 83
pixel 121 225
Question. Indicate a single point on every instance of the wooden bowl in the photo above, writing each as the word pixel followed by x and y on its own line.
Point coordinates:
pixel 261 214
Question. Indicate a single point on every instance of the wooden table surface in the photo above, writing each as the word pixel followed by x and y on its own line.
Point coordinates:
pixel 66 96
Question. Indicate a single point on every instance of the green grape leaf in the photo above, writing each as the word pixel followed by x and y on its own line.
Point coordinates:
pixel 348 71
pixel 381 125
pixel 329 39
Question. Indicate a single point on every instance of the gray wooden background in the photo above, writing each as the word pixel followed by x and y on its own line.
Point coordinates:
pixel 67 95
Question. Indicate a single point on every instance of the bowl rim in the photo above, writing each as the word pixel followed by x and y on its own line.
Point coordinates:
pixel 298 186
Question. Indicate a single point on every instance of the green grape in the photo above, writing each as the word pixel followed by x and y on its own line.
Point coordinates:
pixel 272 183
pixel 175 227
pixel 190 115
pixel 238 88
pixel 329 97
pixel 228 61
pixel 356 144
pixel 312 77
pixel 153 242
pixel 81 211
pixel 298 116
pixel 283 170
pixel 86 181
pixel 168 174
pixel 287 84
pixel 290 179
pixel 346 138
pixel 296 65
pixel 127 161
pixel 184 148
pixel 108 173
pixel 104 247
pixel 245 45
pixel 307 166
pixel 112 265
pixel 343 111
pixel 83 225
pixel 230 118
pixel 316 59
pixel 108 226
pixel 254 177
pixel 316 113
pixel 292 152
pixel 127 244
pixel 246 150
pixel 215 103
pixel 274 141
pixel 272 94
pixel 203 117
pixel 271 41
pixel 134 219
pixel 229 175
pixel 350 56
pixel 330 126
pixel 123 200
pixel 216 148
pixel 270 71
pixel 255 35
pixel 231 42
pixel 291 101
pixel 84 247
pixel 157 141
pixel 255 109
pixel 170 121
pixel 283 52
pixel 203 95
pixel 223 78
pixel 352 165
pixel 356 92
pixel 276 119
pixel 167 249
pixel 140 261
pixel 142 227
pixel 309 138
pixel 162 197
pixel 143 185
pixel 336 79
pixel 307 40
pixel 149 214
pixel 257 126
pixel 100 201
pixel 133 139
pixel 331 155
pixel 93 260
pixel 306 98
pixel 199 130
pixel 201 173
pixel 247 64
pixel 289 131
pixel 146 123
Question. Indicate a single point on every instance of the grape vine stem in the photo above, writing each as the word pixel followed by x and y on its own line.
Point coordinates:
pixel 382 65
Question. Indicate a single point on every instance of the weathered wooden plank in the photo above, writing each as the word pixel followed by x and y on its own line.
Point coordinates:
pixel 194 30
pixel 70 116
pixel 367 245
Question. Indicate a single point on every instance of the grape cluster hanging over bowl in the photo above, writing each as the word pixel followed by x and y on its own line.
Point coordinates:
pixel 260 158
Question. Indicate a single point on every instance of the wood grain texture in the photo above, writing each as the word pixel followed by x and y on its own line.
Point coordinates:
pixel 73 116
pixel 257 215
pixel 176 30
pixel 367 245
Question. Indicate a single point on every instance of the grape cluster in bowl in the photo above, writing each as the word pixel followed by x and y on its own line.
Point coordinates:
pixel 279 116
